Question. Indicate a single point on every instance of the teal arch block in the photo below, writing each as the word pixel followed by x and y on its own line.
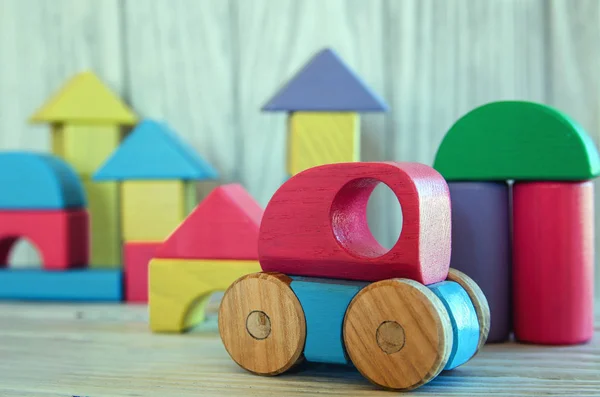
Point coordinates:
pixel 38 181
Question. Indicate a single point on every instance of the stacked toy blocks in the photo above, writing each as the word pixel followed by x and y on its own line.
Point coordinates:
pixel 214 246
pixel 323 101
pixel 44 202
pixel 86 119
pixel 546 268
pixel 157 172
pixel 329 292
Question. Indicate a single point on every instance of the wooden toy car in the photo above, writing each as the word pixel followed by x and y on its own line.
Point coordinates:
pixel 329 292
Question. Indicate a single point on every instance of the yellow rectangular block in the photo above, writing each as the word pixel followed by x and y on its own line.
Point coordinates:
pixel 191 196
pixel 151 210
pixel 179 289
pixel 103 207
pixel 85 147
pixel 317 138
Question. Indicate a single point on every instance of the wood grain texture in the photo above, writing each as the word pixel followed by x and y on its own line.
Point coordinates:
pixel 315 224
pixel 180 61
pixel 207 66
pixel 448 58
pixel 275 39
pixel 399 360
pixel 42 44
pixel 262 324
pixel 64 350
pixel 574 72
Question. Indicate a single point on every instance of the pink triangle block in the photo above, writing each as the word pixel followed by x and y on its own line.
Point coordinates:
pixel 223 226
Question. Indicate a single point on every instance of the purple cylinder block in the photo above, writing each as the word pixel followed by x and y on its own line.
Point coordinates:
pixel 481 246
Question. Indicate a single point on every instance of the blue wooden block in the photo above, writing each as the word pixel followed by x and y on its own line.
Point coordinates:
pixel 101 285
pixel 153 151
pixel 38 181
pixel 324 302
pixel 326 83
pixel 465 325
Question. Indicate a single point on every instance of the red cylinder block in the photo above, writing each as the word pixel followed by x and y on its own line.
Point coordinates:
pixel 553 271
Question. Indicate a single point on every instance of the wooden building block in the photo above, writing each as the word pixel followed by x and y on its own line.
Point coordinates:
pixel 224 225
pixel 317 138
pixel 61 236
pixel 36 181
pixel 481 246
pixel 85 147
pixel 326 83
pixel 136 259
pixel 465 324
pixel 262 324
pixel 324 302
pixel 151 210
pixel 516 140
pixel 180 288
pixel 316 225
pixel 153 151
pixel 85 99
pixel 105 248
pixel 67 286
pixel 553 271
pixel 478 300
pixel 398 334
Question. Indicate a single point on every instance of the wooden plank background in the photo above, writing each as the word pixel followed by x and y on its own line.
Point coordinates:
pixel 207 66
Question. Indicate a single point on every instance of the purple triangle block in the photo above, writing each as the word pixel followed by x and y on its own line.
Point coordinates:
pixel 326 83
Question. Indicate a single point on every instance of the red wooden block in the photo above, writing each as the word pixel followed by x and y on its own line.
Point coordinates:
pixel 553 269
pixel 316 224
pixel 224 225
pixel 61 236
pixel 136 256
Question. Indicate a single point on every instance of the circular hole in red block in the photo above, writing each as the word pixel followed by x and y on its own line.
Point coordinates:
pixel 350 219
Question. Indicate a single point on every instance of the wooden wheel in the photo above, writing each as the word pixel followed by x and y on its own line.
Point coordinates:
pixel 479 302
pixel 262 324
pixel 398 334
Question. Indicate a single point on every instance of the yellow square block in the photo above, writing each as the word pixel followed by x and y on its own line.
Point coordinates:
pixel 317 138
pixel 103 207
pixel 151 210
pixel 85 147
pixel 179 289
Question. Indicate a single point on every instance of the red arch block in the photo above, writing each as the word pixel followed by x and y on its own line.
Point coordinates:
pixel 316 224
pixel 61 236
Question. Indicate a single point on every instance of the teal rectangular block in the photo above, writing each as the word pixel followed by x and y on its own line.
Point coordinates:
pixel 104 285
pixel 324 302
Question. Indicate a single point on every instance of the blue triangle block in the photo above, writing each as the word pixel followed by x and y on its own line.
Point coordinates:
pixel 154 151
pixel 326 83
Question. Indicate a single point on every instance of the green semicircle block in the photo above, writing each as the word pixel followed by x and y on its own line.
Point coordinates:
pixel 516 140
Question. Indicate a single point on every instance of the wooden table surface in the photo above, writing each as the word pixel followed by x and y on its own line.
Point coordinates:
pixel 107 350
